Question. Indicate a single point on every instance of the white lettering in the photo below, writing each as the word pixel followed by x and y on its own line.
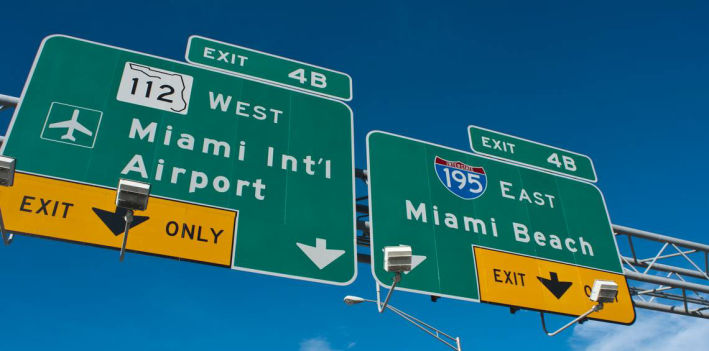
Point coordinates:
pixel 420 212
pixel 136 164
pixel 136 127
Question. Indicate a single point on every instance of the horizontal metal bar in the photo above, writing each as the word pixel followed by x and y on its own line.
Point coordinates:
pixel 363 226
pixel 666 268
pixel 670 309
pixel 659 289
pixel 365 258
pixel 361 174
pixel 363 243
pixel 664 295
pixel 665 281
pixel 8 100
pixel 668 256
pixel 619 229
pixel 638 291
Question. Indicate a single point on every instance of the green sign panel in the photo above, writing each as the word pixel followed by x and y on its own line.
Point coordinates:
pixel 92 113
pixel 443 202
pixel 531 153
pixel 270 68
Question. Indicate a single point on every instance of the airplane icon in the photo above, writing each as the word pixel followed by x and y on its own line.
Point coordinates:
pixel 71 125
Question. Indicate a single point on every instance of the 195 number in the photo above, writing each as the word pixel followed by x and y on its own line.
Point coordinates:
pixel 459 177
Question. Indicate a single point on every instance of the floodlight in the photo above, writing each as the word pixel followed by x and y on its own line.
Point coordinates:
pixel 132 195
pixel 7 171
pixel 604 291
pixel 397 259
pixel 7 178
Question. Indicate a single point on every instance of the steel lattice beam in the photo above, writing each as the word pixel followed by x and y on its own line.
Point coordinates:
pixel 672 282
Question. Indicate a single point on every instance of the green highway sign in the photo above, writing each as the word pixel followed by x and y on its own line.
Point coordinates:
pixel 448 205
pixel 531 153
pixel 282 160
pixel 267 67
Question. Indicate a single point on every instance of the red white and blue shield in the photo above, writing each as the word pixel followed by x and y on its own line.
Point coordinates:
pixel 465 181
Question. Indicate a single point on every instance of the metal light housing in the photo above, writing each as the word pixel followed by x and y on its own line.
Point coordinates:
pixel 397 258
pixel 7 171
pixel 132 195
pixel 353 300
pixel 604 291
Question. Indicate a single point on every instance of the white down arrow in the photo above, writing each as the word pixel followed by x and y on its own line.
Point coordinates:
pixel 415 261
pixel 320 254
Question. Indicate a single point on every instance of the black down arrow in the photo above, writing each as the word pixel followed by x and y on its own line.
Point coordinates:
pixel 554 285
pixel 115 221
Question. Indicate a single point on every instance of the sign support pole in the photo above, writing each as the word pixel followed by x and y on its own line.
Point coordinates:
pixel 380 306
pixel 6 237
pixel 597 307
pixel 129 221
pixel 131 195
pixel 429 329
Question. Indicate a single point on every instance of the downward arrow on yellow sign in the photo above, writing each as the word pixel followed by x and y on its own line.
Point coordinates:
pixel 82 213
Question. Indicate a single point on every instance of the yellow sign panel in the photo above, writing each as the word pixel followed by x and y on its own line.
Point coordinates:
pixel 533 283
pixel 87 214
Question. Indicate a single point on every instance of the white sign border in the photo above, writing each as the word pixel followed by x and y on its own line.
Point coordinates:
pixel 233 267
pixel 264 80
pixel 371 218
pixel 571 176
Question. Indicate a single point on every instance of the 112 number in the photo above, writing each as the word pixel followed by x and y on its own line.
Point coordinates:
pixel 167 90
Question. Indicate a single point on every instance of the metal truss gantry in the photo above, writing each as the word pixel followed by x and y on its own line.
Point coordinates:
pixel 673 279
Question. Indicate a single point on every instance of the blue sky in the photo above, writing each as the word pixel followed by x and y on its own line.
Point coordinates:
pixel 625 83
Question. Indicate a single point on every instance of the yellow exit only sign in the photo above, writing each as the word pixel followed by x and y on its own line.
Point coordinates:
pixel 517 280
pixel 87 214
